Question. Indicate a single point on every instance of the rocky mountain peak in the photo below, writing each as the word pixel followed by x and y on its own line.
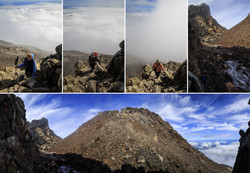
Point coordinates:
pixel 203 24
pixel 44 137
pixel 135 137
pixel 42 123
pixel 202 10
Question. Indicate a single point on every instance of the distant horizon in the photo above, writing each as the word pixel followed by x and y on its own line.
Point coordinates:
pixel 17 3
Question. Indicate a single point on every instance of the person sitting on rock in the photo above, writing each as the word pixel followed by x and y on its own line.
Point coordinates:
pixel 157 67
pixel 92 60
pixel 30 65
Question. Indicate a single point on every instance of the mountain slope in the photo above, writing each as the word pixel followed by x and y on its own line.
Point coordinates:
pixel 137 137
pixel 70 58
pixel 239 35
pixel 9 52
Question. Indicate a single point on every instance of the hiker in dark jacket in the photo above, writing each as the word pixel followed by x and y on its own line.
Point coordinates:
pixel 92 60
pixel 30 65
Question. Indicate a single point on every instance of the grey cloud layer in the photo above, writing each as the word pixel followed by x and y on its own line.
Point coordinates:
pixel 160 34
pixel 219 151
pixel 35 25
pixel 93 29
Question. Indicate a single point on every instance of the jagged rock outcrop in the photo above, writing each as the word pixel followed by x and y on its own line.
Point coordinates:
pixel 44 137
pixel 241 164
pixel 17 149
pixel 51 70
pixel 139 138
pixel 205 26
pixel 105 77
pixel 48 76
pixel 175 82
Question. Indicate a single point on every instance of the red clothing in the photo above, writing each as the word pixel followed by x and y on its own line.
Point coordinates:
pixel 158 67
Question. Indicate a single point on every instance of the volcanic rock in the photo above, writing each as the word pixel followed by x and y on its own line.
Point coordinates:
pixel 139 138
pixel 48 76
pixel 44 137
pixel 241 164
pixel 108 76
pixel 220 69
pixel 172 81
pixel 205 26
pixel 17 149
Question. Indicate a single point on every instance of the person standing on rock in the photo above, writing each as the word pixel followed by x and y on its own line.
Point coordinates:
pixel 30 65
pixel 92 60
pixel 157 67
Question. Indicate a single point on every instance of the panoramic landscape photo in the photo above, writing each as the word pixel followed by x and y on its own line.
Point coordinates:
pixel 219 46
pixel 156 46
pixel 31 46
pixel 93 46
pixel 124 133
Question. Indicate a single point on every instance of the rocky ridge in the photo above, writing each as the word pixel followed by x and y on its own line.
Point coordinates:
pixel 17 149
pixel 226 69
pixel 176 82
pixel 48 76
pixel 206 27
pixel 139 138
pixel 44 137
pixel 106 77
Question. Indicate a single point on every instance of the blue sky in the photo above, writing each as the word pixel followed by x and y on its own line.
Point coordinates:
pixel 209 122
pixel 140 5
pixel 93 3
pixel 196 117
pixel 227 12
pixel 27 2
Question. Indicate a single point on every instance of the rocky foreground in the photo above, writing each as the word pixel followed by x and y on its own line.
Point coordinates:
pixel 149 83
pixel 48 76
pixel 213 55
pixel 241 164
pixel 106 77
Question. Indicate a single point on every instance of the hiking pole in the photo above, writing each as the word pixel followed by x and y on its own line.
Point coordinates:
pixel 16 61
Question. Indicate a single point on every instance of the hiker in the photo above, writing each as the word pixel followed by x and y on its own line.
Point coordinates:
pixel 30 65
pixel 92 60
pixel 157 67
pixel 203 79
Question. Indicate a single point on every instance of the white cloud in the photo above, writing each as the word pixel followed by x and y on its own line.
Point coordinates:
pixel 236 107
pixel 185 100
pixel 161 34
pixel 93 29
pixel 62 120
pixel 38 25
pixel 219 151
pixel 198 2
pixel 91 113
